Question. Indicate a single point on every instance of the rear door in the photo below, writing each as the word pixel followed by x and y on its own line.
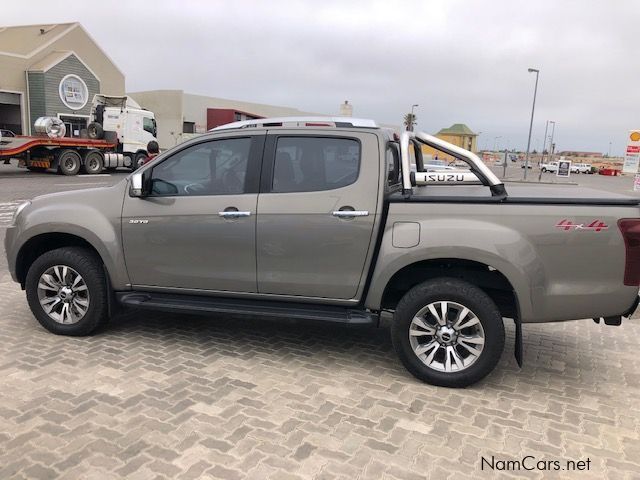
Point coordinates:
pixel 316 212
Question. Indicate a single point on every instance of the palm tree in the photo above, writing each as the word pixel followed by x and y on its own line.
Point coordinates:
pixel 409 121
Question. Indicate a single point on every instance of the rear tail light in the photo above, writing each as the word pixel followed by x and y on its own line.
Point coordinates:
pixel 630 228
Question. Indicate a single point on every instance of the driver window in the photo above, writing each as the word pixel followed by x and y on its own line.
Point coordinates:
pixel 218 167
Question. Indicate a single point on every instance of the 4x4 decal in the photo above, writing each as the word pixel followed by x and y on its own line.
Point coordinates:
pixel 596 225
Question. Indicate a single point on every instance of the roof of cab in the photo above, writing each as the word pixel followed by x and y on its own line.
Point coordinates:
pixel 289 122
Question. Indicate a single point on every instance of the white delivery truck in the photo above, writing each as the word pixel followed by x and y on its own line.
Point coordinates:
pixel 116 136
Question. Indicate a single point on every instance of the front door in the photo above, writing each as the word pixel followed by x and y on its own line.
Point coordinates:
pixel 316 213
pixel 196 230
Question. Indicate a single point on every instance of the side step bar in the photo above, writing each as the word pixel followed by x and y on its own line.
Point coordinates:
pixel 259 308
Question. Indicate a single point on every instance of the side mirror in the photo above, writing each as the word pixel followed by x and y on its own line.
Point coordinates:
pixel 137 185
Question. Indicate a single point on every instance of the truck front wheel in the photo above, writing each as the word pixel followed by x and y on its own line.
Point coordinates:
pixel 67 291
pixel 448 332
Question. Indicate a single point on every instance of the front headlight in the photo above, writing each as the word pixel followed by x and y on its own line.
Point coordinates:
pixel 21 207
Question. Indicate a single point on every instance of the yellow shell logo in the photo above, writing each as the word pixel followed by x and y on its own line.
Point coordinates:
pixel 635 136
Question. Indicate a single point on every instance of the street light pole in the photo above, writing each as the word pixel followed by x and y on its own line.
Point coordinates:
pixel 550 152
pixel 544 143
pixel 495 143
pixel 533 109
pixel 413 119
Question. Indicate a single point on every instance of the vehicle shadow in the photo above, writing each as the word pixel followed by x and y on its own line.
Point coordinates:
pixel 318 345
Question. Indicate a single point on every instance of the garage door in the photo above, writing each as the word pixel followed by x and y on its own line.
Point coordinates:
pixel 10 113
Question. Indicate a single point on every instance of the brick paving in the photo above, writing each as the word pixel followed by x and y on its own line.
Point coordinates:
pixel 167 396
pixel 174 396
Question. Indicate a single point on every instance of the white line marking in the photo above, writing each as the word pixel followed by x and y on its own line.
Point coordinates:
pixel 96 175
pixel 79 184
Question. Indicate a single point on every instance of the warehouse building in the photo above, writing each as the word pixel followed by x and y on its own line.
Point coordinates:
pixel 52 70
pixel 181 115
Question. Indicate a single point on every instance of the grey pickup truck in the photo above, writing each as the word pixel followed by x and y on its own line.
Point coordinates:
pixel 334 220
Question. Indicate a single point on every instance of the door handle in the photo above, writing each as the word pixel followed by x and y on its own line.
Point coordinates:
pixel 233 214
pixel 350 213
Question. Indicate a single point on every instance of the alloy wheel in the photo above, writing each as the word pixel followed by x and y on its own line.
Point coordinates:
pixel 446 336
pixel 63 294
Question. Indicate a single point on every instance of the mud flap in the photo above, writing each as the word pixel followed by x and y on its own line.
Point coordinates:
pixel 518 344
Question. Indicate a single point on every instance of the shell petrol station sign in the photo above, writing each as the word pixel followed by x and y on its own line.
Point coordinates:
pixel 632 154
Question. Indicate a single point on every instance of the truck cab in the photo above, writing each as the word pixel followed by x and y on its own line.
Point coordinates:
pixel 134 126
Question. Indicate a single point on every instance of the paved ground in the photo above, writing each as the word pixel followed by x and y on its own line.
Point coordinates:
pixel 169 396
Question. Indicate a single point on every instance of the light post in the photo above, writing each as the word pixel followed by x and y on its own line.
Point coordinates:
pixel 495 143
pixel 553 131
pixel 609 151
pixel 544 141
pixel 550 151
pixel 533 109
pixel 413 119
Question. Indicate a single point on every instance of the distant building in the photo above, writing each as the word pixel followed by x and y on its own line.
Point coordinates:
pixel 182 115
pixel 52 70
pixel 569 153
pixel 458 134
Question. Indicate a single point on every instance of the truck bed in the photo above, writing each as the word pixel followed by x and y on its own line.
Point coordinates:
pixel 517 194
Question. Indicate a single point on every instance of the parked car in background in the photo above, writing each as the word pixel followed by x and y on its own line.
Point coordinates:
pixel 436 167
pixel 6 133
pixel 549 167
pixel 581 168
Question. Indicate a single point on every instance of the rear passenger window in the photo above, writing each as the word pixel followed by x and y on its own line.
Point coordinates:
pixel 393 164
pixel 307 164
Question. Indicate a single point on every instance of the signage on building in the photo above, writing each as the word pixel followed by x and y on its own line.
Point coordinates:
pixel 636 182
pixel 73 92
pixel 632 154
pixel 564 167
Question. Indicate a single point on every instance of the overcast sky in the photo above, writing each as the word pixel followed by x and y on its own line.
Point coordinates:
pixel 462 61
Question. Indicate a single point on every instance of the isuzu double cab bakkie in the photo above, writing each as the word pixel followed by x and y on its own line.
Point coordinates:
pixel 325 219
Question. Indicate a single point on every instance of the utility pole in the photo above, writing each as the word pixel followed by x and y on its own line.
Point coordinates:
pixel 413 118
pixel 544 146
pixel 553 129
pixel 533 109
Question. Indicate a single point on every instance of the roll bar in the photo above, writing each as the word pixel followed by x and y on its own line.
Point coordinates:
pixel 486 176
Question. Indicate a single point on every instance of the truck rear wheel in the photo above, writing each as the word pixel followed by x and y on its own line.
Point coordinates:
pixel 93 162
pixel 69 162
pixel 448 332
pixel 67 291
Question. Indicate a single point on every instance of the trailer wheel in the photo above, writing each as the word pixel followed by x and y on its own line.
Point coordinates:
pixel 95 131
pixel 93 162
pixel 69 162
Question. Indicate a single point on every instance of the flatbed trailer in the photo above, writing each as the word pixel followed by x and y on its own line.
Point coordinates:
pixel 67 156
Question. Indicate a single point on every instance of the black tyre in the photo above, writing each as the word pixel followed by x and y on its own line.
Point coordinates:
pixel 544 170
pixel 448 332
pixel 67 291
pixel 69 162
pixel 93 162
pixel 95 131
